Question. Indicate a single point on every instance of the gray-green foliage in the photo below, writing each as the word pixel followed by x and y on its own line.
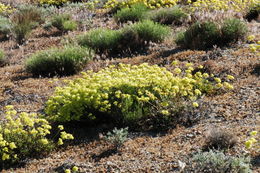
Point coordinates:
pixel 135 13
pixel 117 137
pixel 218 162
pixel 101 40
pixel 137 35
pixel 168 16
pixel 63 22
pixel 58 61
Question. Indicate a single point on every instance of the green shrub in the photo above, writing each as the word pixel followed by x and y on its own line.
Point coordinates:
pixel 127 94
pixel 24 20
pixel 101 40
pixel 199 36
pixel 5 27
pixel 24 135
pixel 70 25
pixel 2 57
pixel 63 22
pixel 233 30
pixel 115 41
pixel 134 13
pixel 207 34
pixel 218 162
pixel 168 16
pixel 148 31
pixel 58 61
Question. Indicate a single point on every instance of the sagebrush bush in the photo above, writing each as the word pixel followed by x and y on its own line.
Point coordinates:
pixel 137 35
pixel 101 40
pixel 199 36
pixel 148 31
pixel 204 35
pixel 168 16
pixel 63 22
pixel 218 162
pixel 126 94
pixel 24 135
pixel 58 61
pixel 24 20
pixel 135 13
pixel 233 30
pixel 5 27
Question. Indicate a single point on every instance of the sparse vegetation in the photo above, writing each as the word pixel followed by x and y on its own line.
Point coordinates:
pixel 117 137
pixel 218 162
pixel 5 28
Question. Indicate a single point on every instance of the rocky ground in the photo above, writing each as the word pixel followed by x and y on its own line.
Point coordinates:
pixel 237 112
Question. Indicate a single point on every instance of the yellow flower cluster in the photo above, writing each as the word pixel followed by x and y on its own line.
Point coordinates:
pixel 152 4
pixel 128 91
pixel 20 134
pixel 255 46
pixel 5 8
pixel 253 142
pixel 236 5
pixel 53 2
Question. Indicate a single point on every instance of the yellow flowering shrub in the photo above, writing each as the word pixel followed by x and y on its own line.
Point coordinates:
pixel 253 143
pixel 152 4
pixel 255 45
pixel 129 93
pixel 23 135
pixel 5 8
pixel 53 2
pixel 236 5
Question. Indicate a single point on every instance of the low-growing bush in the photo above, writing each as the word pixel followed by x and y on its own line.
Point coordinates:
pixel 148 31
pixel 137 35
pixel 134 13
pixel 117 137
pixel 5 28
pixel 253 143
pixel 25 135
pixel 24 20
pixel 101 40
pixel 233 30
pixel 63 22
pixel 58 61
pixel 199 36
pixel 204 35
pixel 218 162
pixel 168 16
pixel 127 94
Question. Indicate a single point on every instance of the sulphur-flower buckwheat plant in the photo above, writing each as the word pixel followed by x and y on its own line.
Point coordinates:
pixel 23 135
pixel 127 93
pixel 253 143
